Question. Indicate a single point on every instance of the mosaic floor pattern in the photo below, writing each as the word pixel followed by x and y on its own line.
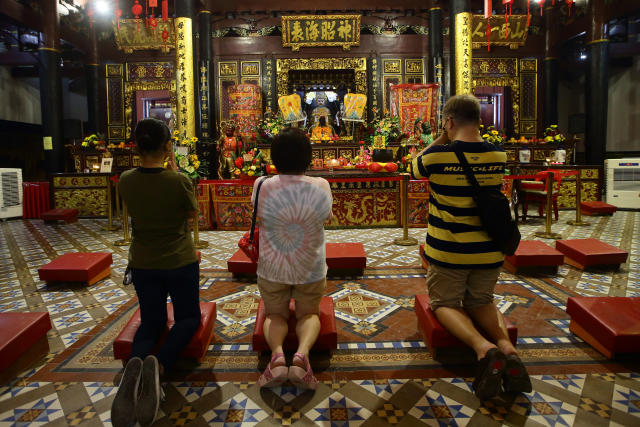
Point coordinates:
pixel 377 376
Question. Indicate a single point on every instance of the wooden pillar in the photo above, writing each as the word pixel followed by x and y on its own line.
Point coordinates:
pixel 51 88
pixel 185 81
pixel 206 150
pixel 460 47
pixel 550 69
pixel 436 58
pixel 92 78
pixel 597 85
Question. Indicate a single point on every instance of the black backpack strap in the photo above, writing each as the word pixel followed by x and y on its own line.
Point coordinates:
pixel 467 170
pixel 255 209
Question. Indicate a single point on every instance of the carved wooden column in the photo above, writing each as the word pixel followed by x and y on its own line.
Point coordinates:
pixel 185 81
pixel 460 47
pixel 436 58
pixel 51 88
pixel 206 150
pixel 550 69
pixel 597 86
pixel 92 77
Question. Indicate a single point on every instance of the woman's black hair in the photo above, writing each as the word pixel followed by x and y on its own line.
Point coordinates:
pixel 291 151
pixel 151 135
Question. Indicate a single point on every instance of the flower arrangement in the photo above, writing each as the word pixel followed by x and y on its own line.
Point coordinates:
pixel 186 157
pixel 492 135
pixel 386 125
pixel 250 164
pixel 552 134
pixel 94 141
pixel 269 127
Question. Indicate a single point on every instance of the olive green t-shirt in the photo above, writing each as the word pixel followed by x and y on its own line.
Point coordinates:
pixel 159 202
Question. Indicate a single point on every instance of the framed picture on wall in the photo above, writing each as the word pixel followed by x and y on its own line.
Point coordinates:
pixel 389 81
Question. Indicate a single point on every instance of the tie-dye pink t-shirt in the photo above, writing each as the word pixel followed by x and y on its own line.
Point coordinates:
pixel 292 210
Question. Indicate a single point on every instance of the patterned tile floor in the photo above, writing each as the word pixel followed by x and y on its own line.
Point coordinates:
pixel 579 398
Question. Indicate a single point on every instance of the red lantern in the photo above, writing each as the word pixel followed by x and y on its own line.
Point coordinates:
pixel 90 15
pixel 165 36
pixel 165 10
pixel 488 11
pixel 528 14
pixel 153 3
pixel 118 13
pixel 153 23
pixel 136 9
pixel 569 4
pixel 507 15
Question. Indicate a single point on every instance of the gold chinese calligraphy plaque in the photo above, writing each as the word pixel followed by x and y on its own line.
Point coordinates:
pixel 132 34
pixel 512 33
pixel 320 30
pixel 463 52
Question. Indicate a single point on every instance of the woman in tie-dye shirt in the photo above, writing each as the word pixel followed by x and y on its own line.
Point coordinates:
pixel 292 210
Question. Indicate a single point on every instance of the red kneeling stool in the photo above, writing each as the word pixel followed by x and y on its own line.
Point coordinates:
pixel 436 336
pixel 610 324
pixel 197 347
pixel 23 340
pixel 66 215
pixel 327 338
pixel 533 254
pixel 597 208
pixel 86 267
pixel 582 253
pixel 342 259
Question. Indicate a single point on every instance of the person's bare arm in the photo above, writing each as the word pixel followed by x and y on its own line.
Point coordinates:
pixel 171 162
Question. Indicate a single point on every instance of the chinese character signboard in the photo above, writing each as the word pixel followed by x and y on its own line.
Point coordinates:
pixel 320 30
pixel 463 53
pixel 512 34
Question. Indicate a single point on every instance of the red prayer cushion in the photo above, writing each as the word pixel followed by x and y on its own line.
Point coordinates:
pixel 59 214
pixel 591 252
pixel 196 348
pixel 436 335
pixel 346 255
pixel 597 207
pixel 613 321
pixel 75 267
pixel 18 332
pixel 327 338
pixel 532 253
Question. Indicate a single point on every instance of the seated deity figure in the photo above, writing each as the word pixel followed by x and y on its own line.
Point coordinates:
pixel 229 147
pixel 322 131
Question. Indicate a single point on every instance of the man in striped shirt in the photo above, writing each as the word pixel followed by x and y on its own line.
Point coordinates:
pixel 464 263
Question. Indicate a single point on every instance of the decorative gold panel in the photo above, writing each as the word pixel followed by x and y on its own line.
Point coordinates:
pixel 530 65
pixel 527 127
pixel 391 66
pixel 130 89
pixel 132 34
pixel 227 68
pixel 512 34
pixel 413 66
pixel 463 53
pixel 250 68
pixel 114 70
pixel 320 30
pixel 116 132
pixel 506 81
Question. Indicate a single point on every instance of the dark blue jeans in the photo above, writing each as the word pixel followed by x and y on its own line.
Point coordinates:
pixel 152 287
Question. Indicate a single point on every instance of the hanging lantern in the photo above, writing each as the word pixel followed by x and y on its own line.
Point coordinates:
pixel 488 11
pixel 153 23
pixel 118 14
pixel 507 15
pixel 569 4
pixel 153 3
pixel 165 10
pixel 136 9
pixel 90 12
pixel 165 36
pixel 528 14
pixel 541 6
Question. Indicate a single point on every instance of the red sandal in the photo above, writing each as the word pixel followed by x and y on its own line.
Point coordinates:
pixel 302 378
pixel 273 377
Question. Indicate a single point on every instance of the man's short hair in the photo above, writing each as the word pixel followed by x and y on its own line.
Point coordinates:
pixel 464 109
pixel 291 151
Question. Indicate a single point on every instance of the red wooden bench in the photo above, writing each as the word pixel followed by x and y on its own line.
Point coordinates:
pixel 197 347
pixel 327 339
pixel 610 324
pixel 85 267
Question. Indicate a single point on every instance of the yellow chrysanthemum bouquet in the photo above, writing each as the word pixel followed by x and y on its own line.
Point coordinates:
pixel 186 157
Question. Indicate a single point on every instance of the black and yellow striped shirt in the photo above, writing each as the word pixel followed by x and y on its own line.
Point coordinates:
pixel 455 237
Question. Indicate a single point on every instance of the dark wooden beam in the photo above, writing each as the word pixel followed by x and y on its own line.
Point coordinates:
pixel 18 58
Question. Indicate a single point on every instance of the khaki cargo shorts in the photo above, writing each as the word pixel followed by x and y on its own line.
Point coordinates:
pixel 276 297
pixel 450 287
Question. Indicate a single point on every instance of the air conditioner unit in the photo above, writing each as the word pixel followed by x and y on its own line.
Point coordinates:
pixel 10 193
pixel 623 182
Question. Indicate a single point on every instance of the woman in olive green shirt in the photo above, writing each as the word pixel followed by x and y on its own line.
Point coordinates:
pixel 163 263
